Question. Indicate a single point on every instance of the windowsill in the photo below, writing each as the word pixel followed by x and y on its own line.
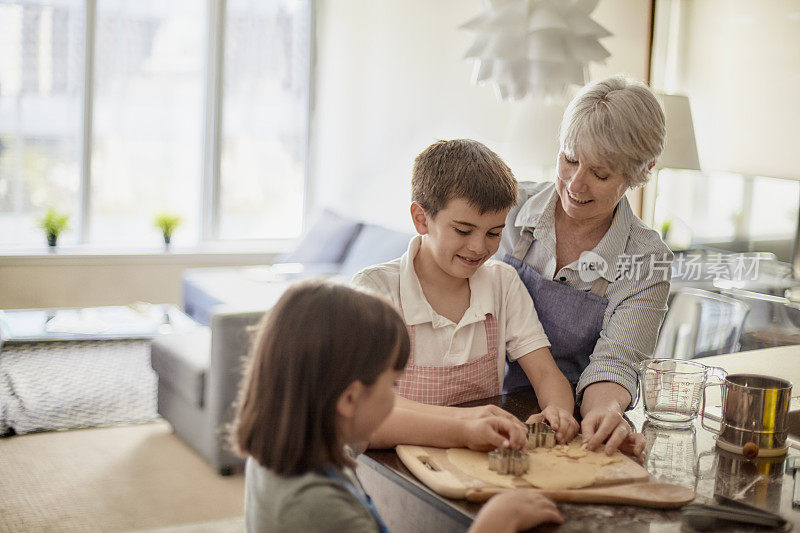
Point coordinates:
pixel 249 252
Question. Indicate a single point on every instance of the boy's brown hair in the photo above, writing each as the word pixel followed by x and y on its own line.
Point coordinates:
pixel 317 340
pixel 462 168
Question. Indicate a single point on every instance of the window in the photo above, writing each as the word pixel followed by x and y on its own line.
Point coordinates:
pixel 195 107
pixel 41 75
pixel 728 211
pixel 779 198
pixel 699 207
pixel 263 142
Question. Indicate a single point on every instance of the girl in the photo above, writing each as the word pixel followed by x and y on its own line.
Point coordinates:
pixel 319 382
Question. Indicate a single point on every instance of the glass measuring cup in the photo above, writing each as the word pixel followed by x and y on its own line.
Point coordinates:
pixel 671 454
pixel 672 389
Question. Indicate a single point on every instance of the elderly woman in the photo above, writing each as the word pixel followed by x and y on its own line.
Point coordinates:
pixel 598 276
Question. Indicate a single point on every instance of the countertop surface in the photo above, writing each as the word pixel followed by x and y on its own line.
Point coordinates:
pixel 686 457
pixel 781 361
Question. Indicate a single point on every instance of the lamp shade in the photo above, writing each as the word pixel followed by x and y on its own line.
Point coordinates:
pixel 537 47
pixel 680 149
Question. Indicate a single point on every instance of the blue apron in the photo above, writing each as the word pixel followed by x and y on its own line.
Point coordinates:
pixel 362 496
pixel 571 318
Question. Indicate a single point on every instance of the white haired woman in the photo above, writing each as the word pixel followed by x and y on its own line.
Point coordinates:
pixel 598 276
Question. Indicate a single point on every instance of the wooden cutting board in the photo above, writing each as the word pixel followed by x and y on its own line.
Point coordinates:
pixel 657 495
pixel 432 467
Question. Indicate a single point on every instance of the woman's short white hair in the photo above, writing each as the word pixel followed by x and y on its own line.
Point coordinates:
pixel 616 121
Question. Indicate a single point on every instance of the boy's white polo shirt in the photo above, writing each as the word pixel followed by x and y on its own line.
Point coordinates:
pixel 495 288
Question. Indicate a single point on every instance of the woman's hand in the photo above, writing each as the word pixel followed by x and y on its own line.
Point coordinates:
pixel 602 408
pixel 486 434
pixel 517 510
pixel 562 422
pixel 482 411
pixel 633 445
pixel 608 425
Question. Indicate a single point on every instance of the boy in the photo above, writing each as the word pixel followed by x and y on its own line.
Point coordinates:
pixel 464 312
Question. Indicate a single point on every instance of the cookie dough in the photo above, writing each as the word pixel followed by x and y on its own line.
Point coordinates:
pixel 569 466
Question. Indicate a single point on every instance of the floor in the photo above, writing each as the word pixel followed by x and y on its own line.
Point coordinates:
pixel 124 478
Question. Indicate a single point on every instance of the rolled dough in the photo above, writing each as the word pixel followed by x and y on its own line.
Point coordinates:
pixel 563 467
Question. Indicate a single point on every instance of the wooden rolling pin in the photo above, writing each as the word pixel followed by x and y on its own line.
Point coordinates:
pixel 658 495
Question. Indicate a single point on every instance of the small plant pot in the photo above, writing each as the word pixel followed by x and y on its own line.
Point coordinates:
pixel 52 239
pixel 166 239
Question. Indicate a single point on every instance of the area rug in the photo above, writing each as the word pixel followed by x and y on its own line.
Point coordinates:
pixel 74 384
pixel 231 525
pixel 121 478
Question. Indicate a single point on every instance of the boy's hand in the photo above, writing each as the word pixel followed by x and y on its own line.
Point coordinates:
pixel 517 510
pixel 482 411
pixel 486 434
pixel 562 422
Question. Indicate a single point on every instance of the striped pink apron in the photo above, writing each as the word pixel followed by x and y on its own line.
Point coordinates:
pixel 450 385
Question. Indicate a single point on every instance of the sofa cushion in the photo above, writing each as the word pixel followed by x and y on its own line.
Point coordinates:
pixel 181 360
pixel 326 241
pixel 374 245
pixel 198 302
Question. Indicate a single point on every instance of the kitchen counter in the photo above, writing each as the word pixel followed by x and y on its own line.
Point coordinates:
pixel 781 361
pixel 685 457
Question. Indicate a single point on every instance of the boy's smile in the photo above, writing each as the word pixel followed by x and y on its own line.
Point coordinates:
pixel 457 240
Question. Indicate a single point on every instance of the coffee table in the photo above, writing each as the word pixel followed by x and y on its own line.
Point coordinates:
pixel 136 321
pixel 71 368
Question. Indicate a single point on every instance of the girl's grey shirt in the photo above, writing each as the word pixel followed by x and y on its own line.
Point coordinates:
pixel 632 258
pixel 308 502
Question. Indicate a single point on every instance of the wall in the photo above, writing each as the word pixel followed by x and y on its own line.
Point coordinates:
pixel 75 281
pixel 391 79
pixel 739 62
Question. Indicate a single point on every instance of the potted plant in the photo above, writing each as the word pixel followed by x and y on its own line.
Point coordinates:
pixel 664 229
pixel 53 223
pixel 167 224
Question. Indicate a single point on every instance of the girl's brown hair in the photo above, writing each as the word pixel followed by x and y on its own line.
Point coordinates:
pixel 317 340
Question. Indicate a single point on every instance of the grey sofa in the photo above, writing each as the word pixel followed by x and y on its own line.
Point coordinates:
pixel 199 373
pixel 334 246
pixel 198 380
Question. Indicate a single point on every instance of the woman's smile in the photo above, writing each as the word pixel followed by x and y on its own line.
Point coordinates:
pixel 577 200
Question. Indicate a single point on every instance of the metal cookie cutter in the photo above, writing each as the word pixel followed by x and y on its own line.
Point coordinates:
pixel 541 435
pixel 508 461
